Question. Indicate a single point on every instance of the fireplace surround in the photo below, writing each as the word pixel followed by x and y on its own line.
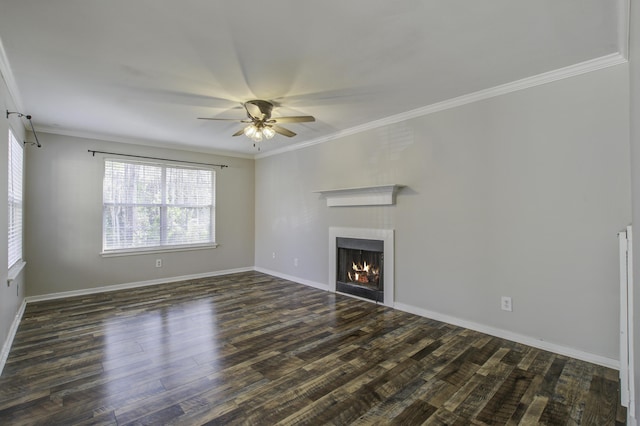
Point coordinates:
pixel 372 246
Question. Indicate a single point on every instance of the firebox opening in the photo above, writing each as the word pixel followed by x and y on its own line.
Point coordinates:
pixel 359 267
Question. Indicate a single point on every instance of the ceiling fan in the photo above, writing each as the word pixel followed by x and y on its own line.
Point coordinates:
pixel 260 123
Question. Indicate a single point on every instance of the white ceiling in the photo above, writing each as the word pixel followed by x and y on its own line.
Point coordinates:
pixel 143 70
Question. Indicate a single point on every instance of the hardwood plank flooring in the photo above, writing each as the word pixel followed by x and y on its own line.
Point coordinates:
pixel 250 348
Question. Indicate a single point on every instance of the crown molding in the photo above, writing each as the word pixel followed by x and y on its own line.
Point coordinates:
pixel 7 75
pixel 525 83
pixel 143 142
pixel 613 59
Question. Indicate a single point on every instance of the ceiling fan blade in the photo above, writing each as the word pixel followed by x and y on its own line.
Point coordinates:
pixel 238 133
pixel 282 130
pixel 294 119
pixel 226 119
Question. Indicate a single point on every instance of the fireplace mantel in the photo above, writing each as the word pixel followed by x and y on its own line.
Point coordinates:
pixel 379 195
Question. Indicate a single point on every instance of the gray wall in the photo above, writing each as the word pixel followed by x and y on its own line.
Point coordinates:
pixel 10 296
pixel 64 219
pixel 520 195
pixel 634 61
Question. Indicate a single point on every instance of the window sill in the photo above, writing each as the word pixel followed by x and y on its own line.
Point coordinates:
pixel 153 250
pixel 15 270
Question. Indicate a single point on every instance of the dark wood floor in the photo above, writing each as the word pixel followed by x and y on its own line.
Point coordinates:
pixel 253 349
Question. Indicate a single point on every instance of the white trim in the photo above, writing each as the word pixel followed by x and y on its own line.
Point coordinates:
pixel 514 337
pixel 6 347
pixel 631 408
pixel 140 141
pixel 525 83
pixel 15 270
pixel 298 280
pixel 104 289
pixel 624 246
pixel 10 81
pixel 154 250
pixel 504 334
pixel 492 331
pixel 627 384
pixel 540 79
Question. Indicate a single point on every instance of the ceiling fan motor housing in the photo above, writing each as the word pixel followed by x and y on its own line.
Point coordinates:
pixel 265 108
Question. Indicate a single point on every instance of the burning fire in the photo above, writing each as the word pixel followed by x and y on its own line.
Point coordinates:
pixel 364 273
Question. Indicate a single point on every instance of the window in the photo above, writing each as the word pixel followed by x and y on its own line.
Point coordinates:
pixel 151 206
pixel 15 201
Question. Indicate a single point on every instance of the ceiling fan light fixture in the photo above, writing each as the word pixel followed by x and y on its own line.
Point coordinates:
pixel 250 130
pixel 268 132
pixel 257 137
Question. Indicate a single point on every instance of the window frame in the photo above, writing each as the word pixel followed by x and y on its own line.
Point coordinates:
pixel 163 247
pixel 14 265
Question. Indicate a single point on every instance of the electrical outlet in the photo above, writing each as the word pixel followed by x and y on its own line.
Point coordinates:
pixel 273 255
pixel 506 304
pixel 295 262
pixel 158 263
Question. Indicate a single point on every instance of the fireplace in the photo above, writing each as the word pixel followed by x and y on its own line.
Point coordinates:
pixel 361 263
pixel 359 267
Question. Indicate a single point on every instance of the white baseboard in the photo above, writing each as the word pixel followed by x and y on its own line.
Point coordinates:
pixel 84 292
pixel 6 347
pixel 504 334
pixel 492 331
pixel 514 337
pixel 309 283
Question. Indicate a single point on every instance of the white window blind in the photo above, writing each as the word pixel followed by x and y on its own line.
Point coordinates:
pixel 156 205
pixel 15 200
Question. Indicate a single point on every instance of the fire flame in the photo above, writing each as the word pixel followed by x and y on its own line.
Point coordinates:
pixel 359 268
pixel 363 272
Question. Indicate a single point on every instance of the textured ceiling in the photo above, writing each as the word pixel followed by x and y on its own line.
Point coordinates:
pixel 143 70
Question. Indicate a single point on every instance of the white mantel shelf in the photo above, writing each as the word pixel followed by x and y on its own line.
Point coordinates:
pixel 381 195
